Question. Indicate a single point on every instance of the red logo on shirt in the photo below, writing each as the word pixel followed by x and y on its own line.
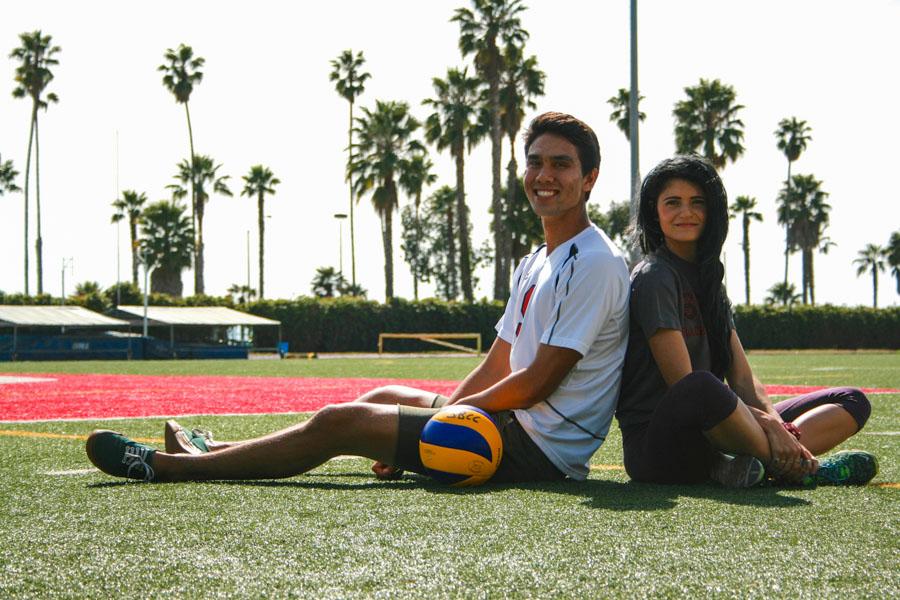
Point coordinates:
pixel 525 301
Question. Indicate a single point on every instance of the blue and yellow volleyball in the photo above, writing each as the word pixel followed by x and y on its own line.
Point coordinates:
pixel 461 445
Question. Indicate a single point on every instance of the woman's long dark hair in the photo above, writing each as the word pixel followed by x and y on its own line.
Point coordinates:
pixel 714 305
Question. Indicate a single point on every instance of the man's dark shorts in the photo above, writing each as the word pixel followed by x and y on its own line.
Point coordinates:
pixel 522 460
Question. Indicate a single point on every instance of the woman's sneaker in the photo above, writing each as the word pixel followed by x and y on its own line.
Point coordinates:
pixel 116 455
pixel 849 467
pixel 190 441
pixel 737 471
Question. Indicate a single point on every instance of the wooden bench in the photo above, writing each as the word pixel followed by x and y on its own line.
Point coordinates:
pixel 435 338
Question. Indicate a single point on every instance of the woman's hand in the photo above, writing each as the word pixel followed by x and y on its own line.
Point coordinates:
pixel 790 459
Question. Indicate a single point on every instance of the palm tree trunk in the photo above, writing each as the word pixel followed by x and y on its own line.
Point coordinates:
pixel 198 282
pixel 38 241
pixel 511 179
pixel 132 230
pixel 452 291
pixel 462 217
pixel 198 254
pixel 496 203
pixel 352 229
pixel 811 278
pixel 387 238
pixel 746 246
pixel 787 226
pixel 874 287
pixel 415 261
pixel 27 179
pixel 805 274
pixel 261 222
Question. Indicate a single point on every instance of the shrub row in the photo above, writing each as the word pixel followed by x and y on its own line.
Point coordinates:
pixel 353 324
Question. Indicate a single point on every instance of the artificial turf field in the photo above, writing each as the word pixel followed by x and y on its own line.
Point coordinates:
pixel 337 532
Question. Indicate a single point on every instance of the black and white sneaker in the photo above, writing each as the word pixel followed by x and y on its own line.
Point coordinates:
pixel 737 471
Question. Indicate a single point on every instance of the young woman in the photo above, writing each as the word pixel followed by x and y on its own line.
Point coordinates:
pixel 680 422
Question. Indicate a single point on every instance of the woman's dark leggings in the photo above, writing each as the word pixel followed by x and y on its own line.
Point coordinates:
pixel 671 448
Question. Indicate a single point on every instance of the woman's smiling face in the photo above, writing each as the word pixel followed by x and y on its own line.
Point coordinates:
pixel 681 208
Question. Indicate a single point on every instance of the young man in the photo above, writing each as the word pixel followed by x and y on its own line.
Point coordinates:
pixel 550 379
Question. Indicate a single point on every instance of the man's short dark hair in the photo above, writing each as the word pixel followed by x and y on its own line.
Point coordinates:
pixel 574 130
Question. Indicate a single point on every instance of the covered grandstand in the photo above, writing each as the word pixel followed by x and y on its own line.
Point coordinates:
pixel 62 332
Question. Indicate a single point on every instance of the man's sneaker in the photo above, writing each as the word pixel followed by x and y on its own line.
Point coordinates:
pixel 115 454
pixel 849 467
pixel 737 471
pixel 180 440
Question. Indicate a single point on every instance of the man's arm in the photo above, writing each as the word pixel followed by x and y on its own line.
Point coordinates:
pixel 526 387
pixel 492 369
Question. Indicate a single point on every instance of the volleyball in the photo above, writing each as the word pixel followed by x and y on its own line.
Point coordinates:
pixel 461 446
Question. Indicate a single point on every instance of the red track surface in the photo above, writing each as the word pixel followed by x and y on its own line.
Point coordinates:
pixel 60 396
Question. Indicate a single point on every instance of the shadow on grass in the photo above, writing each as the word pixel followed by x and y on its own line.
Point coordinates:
pixel 597 493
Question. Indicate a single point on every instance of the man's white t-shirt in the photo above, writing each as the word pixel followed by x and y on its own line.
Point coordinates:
pixel 577 297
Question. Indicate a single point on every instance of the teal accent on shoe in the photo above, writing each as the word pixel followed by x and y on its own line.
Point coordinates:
pixel 849 467
pixel 199 437
pixel 116 455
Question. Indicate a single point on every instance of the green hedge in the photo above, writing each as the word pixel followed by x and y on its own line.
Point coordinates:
pixel 353 324
pixel 801 327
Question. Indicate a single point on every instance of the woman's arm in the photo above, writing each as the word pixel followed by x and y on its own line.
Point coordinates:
pixel 671 355
pixel 790 458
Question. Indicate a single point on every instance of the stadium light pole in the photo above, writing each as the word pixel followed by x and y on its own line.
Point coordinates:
pixel 248 261
pixel 634 114
pixel 146 287
pixel 340 219
pixel 66 262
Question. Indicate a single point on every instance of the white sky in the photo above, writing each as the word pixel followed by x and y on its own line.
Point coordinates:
pixel 266 98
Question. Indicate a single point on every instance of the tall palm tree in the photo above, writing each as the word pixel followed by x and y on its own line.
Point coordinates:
pixel 130 206
pixel 181 72
pixel 415 175
pixel 803 210
pixel 521 82
pixel 33 75
pixel 259 182
pixel 350 79
pixel 621 114
pixel 744 206
pixel 8 176
pixel 784 294
pixel 483 30
pixel 893 257
pixel 454 125
pixel 871 258
pixel 383 143
pixel 201 174
pixel 793 136
pixel 167 244
pixel 707 122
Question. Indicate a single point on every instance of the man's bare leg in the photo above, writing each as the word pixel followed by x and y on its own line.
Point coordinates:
pixel 356 428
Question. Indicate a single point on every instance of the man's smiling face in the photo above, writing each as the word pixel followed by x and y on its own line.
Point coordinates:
pixel 554 183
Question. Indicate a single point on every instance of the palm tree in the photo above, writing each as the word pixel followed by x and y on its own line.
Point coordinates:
pixel 167 244
pixel 415 175
pixel 350 82
pixel 744 206
pixel 784 294
pixel 454 125
pixel 8 176
pixel 521 81
pixel 130 206
pixel 383 144
pixel 33 76
pixel 803 210
pixel 241 293
pixel 182 72
pixel 327 283
pixel 893 257
pixel 483 31
pixel 201 173
pixel 259 182
pixel 621 114
pixel 793 136
pixel 871 258
pixel 707 121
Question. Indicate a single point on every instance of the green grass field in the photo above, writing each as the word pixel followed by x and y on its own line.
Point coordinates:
pixel 337 532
